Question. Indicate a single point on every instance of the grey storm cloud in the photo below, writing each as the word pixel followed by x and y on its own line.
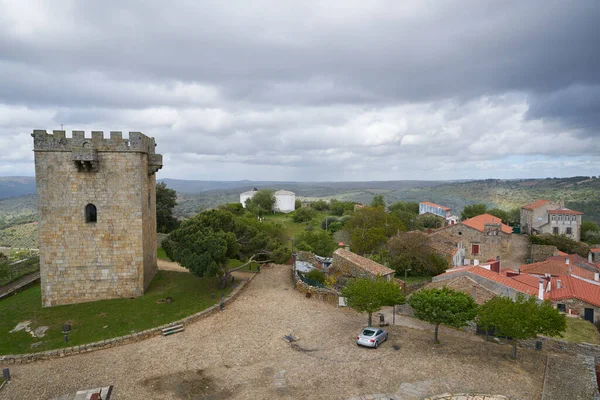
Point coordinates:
pixel 305 83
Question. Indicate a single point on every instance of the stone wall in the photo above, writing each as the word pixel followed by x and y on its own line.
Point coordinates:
pixel 541 252
pixel 325 294
pixel 8 360
pixel 577 307
pixel 116 255
pixel 490 246
pixel 307 256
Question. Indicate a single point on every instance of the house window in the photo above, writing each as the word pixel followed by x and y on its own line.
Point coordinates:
pixel 553 217
pixel 475 249
pixel 561 307
pixel 555 230
pixel 91 214
pixel 568 231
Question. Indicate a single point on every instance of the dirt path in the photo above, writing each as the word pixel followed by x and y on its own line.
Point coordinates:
pixel 173 266
pixel 240 354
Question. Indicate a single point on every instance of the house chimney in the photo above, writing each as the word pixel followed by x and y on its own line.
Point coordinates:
pixel 596 276
pixel 567 261
pixel 590 257
pixel 541 290
pixel 558 283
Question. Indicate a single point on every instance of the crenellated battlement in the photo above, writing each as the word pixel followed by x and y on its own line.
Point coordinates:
pixel 58 141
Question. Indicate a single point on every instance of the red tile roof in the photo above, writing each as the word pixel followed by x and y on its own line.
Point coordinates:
pixel 572 287
pixel 435 205
pixel 595 250
pixel 564 211
pixel 493 276
pixel 557 266
pixel 364 263
pixel 479 222
pixel 535 205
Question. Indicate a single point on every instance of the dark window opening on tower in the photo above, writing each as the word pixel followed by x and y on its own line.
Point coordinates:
pixel 91 214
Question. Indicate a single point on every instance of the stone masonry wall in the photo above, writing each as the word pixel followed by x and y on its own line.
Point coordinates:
pixel 490 246
pixel 541 252
pixel 114 256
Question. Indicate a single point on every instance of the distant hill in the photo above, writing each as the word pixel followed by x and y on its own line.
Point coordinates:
pixel 14 186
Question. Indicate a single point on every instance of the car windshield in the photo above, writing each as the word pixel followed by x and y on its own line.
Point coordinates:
pixel 368 332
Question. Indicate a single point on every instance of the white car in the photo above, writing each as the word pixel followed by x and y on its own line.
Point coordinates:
pixel 371 337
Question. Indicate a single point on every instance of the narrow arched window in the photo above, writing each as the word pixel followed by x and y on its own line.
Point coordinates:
pixel 91 215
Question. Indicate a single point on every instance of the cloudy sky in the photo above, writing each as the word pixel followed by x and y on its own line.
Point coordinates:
pixel 312 90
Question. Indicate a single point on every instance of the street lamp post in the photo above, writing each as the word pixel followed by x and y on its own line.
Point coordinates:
pixel 405 277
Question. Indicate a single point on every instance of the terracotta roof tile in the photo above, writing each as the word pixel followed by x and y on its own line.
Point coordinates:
pixel 536 204
pixel 364 263
pixel 572 287
pixel 479 222
pixel 595 250
pixel 493 276
pixel 435 205
pixel 564 211
pixel 556 266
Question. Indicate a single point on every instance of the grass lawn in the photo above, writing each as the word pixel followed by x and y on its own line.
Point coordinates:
pixel 294 228
pixel 104 319
pixel 233 263
pixel 579 331
pixel 160 253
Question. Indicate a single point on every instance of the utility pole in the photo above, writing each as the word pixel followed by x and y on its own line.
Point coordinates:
pixel 405 277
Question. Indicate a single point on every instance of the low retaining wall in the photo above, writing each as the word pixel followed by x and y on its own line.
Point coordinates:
pixel 325 294
pixel 121 340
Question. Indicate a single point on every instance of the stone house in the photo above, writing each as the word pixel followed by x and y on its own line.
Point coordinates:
pixel 449 247
pixel 544 216
pixel 484 237
pixel 347 263
pixel 571 289
pixel 97 215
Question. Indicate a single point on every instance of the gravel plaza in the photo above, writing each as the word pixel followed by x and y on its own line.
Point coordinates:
pixel 240 354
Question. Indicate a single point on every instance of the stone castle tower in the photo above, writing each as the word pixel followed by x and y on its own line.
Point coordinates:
pixel 97 215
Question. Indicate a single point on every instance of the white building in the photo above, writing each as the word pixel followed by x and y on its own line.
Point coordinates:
pixel 247 195
pixel 285 201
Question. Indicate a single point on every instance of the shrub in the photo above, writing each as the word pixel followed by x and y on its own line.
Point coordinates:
pixel 303 215
pixel 316 275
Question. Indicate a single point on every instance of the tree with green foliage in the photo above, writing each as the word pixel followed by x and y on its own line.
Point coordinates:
pixel 430 221
pixel 472 211
pixel 166 200
pixel 205 243
pixel 413 250
pixel 319 205
pixel 340 208
pixel 316 275
pixel 378 201
pixel 316 241
pixel 590 232
pixel 520 319
pixel 443 306
pixel 297 204
pixel 234 208
pixel 303 214
pixel 367 295
pixel 408 213
pixel 562 243
pixel 370 227
pixel 503 215
pixel 262 202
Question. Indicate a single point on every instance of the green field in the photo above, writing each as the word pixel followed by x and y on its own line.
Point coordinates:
pixel 294 228
pixel 160 253
pixel 580 331
pixel 104 319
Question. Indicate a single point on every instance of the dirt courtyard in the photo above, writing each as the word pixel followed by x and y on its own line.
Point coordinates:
pixel 240 354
